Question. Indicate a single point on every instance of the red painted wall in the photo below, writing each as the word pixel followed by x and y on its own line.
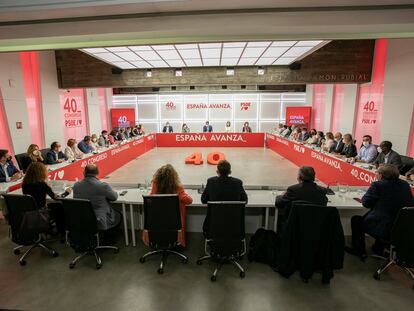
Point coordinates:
pixel 5 139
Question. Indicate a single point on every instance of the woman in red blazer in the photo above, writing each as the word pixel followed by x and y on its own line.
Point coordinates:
pixel 166 181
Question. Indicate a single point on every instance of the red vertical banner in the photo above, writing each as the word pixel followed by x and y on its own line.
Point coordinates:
pixel 318 106
pixel 298 115
pixel 337 102
pixel 103 108
pixel 122 117
pixel 31 80
pixel 73 107
pixel 368 110
pixel 410 146
pixel 5 138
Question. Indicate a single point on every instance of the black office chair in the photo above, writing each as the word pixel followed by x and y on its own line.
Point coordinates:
pixel 408 163
pixel 44 152
pixel 20 159
pixel 17 205
pixel 162 221
pixel 401 244
pixel 225 240
pixel 82 230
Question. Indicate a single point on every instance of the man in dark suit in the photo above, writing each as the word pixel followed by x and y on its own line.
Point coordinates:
pixel 304 135
pixel 207 127
pixel 8 171
pixel 338 144
pixel 306 190
pixel 384 198
pixel 167 128
pixel 387 155
pixel 223 188
pixel 55 154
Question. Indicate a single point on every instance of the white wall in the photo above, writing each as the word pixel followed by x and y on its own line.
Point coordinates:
pixel 94 116
pixel 398 94
pixel 52 114
pixel 346 122
pixel 12 87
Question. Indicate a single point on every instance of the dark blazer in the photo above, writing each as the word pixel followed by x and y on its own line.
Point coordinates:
pixel 303 137
pixel 39 191
pixel 349 151
pixel 11 170
pixel 208 128
pixel 385 198
pixel 167 129
pixel 51 157
pixel 247 129
pixel 337 146
pixel 221 188
pixel 393 158
pixel 305 191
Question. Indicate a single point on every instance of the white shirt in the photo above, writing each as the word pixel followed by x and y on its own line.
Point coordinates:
pixel 227 129
pixel 6 173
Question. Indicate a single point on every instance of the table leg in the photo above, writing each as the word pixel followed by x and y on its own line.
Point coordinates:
pixel 266 218
pixel 275 220
pixel 125 224
pixel 131 210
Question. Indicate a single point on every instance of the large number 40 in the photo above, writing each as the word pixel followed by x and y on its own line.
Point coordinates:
pixel 213 158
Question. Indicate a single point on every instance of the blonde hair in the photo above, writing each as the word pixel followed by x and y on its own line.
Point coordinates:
pixel 167 180
pixel 71 142
pixel 30 150
pixel 36 173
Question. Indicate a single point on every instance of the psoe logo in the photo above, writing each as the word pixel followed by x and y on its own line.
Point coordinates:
pixel 298 148
pixel 245 106
pixel 170 106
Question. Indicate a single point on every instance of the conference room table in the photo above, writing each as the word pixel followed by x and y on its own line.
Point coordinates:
pixel 260 202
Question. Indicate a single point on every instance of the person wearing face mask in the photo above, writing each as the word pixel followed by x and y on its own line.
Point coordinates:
pixel 55 154
pixel 349 150
pixel 72 151
pixel 8 171
pixel 33 155
pixel 338 144
pixel 185 128
pixel 368 152
pixel 286 131
pixel 167 128
pixel 94 142
pixel 103 140
pixel 228 128
pixel 387 155
pixel 85 145
pixel 304 135
pixel 140 130
pixel 313 138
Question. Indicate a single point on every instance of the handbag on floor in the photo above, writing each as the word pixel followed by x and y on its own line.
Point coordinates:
pixel 263 247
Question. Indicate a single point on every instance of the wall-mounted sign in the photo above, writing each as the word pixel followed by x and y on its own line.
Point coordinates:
pixel 74 113
pixel 298 115
pixel 122 117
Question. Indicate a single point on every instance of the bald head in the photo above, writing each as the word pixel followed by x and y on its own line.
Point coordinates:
pixel 91 170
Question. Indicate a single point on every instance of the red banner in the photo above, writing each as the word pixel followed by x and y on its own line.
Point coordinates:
pixel 210 140
pixel 122 117
pixel 329 169
pixel 74 113
pixel 298 115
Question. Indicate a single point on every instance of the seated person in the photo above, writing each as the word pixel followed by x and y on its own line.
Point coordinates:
pixel 304 135
pixel 286 131
pixel 100 194
pixel 94 142
pixel 85 145
pixel 139 130
pixel 328 141
pixel 410 174
pixel 384 199
pixel 72 151
pixel 113 137
pixel 368 152
pixel 33 155
pixel 35 184
pixel 103 140
pixel 8 171
pixel 280 128
pixel 129 133
pixel 387 156
pixel 55 154
pixel 295 134
pixel 305 190
pixel 207 127
pixel 166 181
pixel 223 188
pixel 185 128
pixel 167 128
pixel 338 144
pixel 320 138
pixel 228 128
pixel 313 139
pixel 349 150
pixel 121 135
pixel 246 128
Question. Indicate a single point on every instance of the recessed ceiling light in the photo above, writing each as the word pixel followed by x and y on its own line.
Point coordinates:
pixel 178 72
pixel 148 73
pixel 230 71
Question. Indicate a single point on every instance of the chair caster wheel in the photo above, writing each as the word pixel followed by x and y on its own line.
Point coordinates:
pixel 242 274
pixel 55 254
pixel 160 271
pixel 98 266
pixel 213 278
pixel 199 262
pixel 376 276
pixel 22 262
pixel 16 251
pixel 185 261
pixel 142 260
pixel 71 265
pixel 116 251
